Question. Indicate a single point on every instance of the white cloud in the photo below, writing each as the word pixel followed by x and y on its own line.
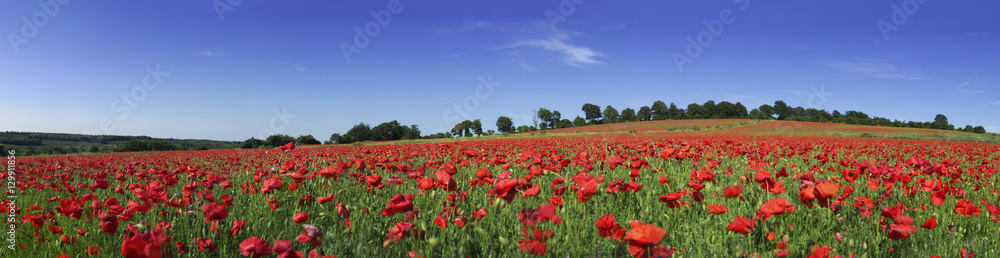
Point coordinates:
pixel 962 89
pixel 875 69
pixel 572 54
pixel 292 67
pixel 467 26
pixel 979 34
pixel 210 54
pixel 994 103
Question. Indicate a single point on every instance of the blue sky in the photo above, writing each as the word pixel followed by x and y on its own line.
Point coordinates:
pixel 218 71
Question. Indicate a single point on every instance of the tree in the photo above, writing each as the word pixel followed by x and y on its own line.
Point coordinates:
pixel 610 115
pixel 659 110
pixel 968 128
pixel 782 110
pixel 279 139
pixel 940 122
pixel 477 127
pixel 565 123
pixel 505 125
pixel 490 132
pixel 555 118
pixel 694 111
pixel 307 139
pixel 526 128
pixel 3 150
pixel 767 111
pixel 137 145
pixel 979 129
pixel 709 110
pixel 411 133
pixel 592 112
pixel 645 114
pixel 462 129
pixel 628 115
pixel 334 138
pixel 579 121
pixel 675 113
pixel 359 133
pixel 756 114
pixel 545 116
pixel 741 110
pixel 388 131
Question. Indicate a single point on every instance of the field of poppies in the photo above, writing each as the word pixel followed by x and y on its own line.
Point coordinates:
pixel 719 193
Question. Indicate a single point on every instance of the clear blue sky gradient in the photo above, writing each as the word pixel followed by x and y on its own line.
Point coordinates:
pixel 228 75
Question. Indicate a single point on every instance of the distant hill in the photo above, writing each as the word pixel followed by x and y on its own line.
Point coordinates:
pixel 33 143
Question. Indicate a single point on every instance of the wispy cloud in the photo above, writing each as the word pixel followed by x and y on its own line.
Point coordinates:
pixel 292 67
pixel 210 54
pixel 994 103
pixel 469 26
pixel 978 34
pixel 876 69
pixel 572 54
pixel 962 89
pixel 535 35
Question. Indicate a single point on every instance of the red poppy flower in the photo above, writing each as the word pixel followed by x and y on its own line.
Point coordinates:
pixel 398 232
pixel 205 244
pixel 109 223
pixel 326 199
pixel 478 214
pixel 717 209
pixel 556 200
pixel 644 234
pixel 776 206
pixel 732 191
pixel 93 250
pixel 534 190
pixel 671 199
pixel 587 190
pixel 237 226
pixel 441 222
pixel 399 203
pixel 56 230
pixel 930 223
pixel 255 247
pixel 741 225
pixel 900 231
pixel 284 249
pixel 271 184
pixel 311 235
pixel 300 217
pixel 608 227
pixel 70 208
pixel 967 208
pixel 214 211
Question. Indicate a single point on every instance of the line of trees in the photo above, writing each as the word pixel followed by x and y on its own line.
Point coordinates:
pixel 593 114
